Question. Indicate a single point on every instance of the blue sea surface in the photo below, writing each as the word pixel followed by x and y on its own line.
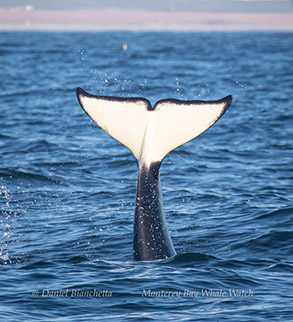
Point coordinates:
pixel 67 189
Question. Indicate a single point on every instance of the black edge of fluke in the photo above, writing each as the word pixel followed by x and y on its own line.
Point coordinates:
pixel 79 92
pixel 228 100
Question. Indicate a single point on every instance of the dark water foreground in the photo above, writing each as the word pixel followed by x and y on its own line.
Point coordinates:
pixel 67 190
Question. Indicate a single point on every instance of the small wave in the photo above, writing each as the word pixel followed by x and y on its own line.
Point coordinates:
pixel 189 258
pixel 273 240
pixel 4 52
pixel 4 136
pixel 38 264
pixel 6 259
pixel 9 212
pixel 278 214
pixel 77 259
pixel 26 175
pixel 281 267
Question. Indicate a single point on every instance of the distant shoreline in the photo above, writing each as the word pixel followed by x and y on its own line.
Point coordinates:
pixel 21 19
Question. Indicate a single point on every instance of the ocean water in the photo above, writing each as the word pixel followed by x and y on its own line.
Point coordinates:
pixel 67 189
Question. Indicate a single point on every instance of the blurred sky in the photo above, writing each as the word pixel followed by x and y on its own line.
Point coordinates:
pixel 172 15
pixel 265 6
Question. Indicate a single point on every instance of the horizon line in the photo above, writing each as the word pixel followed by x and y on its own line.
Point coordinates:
pixel 110 20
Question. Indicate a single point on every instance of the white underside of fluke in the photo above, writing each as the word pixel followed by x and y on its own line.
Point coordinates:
pixel 150 134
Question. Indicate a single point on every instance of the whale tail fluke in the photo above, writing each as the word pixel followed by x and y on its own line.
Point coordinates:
pixel 151 133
